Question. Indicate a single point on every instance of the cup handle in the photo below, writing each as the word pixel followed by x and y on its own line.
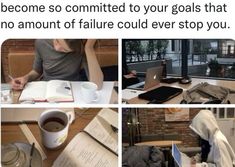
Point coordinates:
pixel 71 116
pixel 97 98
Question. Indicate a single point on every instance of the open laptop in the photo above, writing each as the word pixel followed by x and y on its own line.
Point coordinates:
pixel 153 78
pixel 181 159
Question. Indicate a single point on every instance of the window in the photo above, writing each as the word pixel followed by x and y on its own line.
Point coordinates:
pixel 205 57
pixel 172 45
pixel 226 49
pixel 221 113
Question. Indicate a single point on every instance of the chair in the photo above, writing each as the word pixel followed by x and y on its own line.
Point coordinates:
pixel 20 62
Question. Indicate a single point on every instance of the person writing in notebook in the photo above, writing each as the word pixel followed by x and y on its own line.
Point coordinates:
pixel 62 59
pixel 216 151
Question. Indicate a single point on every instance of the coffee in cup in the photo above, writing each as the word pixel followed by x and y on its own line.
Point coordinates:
pixel 54 126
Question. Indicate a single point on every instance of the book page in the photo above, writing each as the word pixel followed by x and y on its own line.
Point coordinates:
pixel 84 151
pixel 59 91
pixel 100 128
pixel 35 91
pixel 110 116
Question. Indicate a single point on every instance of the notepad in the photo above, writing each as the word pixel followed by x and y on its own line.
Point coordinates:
pixel 51 91
pixel 97 145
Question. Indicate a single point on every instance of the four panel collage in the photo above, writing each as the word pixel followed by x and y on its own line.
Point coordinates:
pixel 118 102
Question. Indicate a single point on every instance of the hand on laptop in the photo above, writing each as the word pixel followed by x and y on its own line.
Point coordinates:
pixel 132 74
pixel 193 162
pixel 128 76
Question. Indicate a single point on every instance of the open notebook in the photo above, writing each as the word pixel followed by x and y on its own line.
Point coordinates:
pixel 97 145
pixel 51 91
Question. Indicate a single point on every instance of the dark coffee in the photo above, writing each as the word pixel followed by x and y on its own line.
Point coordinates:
pixel 53 124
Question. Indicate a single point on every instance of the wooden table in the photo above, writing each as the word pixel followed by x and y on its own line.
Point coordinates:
pixel 13 133
pixel 177 99
pixel 159 143
pixel 113 99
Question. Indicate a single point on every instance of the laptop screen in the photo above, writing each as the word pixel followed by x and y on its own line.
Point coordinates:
pixel 153 76
pixel 176 155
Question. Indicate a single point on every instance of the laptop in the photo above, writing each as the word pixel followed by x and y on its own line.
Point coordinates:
pixel 181 159
pixel 153 78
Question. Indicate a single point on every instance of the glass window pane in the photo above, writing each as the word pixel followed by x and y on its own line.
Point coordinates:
pixel 230 113
pixel 206 57
pixel 221 113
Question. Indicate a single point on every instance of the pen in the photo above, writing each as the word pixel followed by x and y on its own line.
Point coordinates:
pixel 68 88
pixel 114 129
pixel 31 155
pixel 18 82
pixel 10 77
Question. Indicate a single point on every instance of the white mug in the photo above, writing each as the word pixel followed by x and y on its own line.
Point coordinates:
pixel 89 92
pixel 54 126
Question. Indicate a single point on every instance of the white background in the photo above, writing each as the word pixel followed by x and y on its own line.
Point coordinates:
pixel 115 17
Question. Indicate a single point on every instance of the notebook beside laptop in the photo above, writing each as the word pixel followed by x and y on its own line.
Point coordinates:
pixel 181 159
pixel 153 78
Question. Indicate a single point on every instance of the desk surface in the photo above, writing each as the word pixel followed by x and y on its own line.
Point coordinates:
pixel 113 99
pixel 13 133
pixel 158 143
pixel 195 81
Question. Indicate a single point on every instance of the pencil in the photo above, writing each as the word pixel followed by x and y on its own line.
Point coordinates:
pixel 17 81
pixel 10 77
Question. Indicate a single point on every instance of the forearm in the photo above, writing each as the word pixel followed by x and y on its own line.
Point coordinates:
pixel 95 73
pixel 204 164
pixel 32 75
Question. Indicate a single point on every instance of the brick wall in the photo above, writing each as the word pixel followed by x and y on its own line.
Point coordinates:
pixel 153 124
pixel 28 45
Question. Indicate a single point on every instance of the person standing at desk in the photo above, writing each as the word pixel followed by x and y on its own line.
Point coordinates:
pixel 62 59
pixel 220 153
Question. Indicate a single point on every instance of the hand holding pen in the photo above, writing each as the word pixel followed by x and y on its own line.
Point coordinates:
pixel 18 83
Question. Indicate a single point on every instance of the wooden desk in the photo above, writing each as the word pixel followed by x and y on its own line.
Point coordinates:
pixel 158 143
pixel 113 99
pixel 13 133
pixel 195 81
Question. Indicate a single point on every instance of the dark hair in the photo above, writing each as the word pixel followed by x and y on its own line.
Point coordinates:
pixel 205 146
pixel 75 45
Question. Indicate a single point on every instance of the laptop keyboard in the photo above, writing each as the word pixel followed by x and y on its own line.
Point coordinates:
pixel 141 86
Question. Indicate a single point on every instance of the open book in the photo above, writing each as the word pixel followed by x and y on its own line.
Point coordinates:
pixel 97 145
pixel 51 91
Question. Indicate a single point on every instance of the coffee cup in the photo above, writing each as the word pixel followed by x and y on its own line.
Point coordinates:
pixel 54 126
pixel 89 92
